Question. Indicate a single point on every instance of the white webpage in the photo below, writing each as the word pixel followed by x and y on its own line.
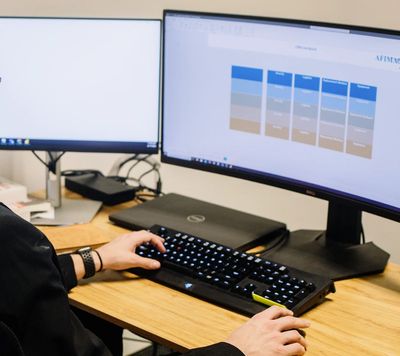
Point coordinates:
pixel 77 79
pixel 208 62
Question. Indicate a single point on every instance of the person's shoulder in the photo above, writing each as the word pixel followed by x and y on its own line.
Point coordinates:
pixel 3 208
pixel 6 215
pixel 12 224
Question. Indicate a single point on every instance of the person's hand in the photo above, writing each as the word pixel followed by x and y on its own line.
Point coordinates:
pixel 270 332
pixel 120 253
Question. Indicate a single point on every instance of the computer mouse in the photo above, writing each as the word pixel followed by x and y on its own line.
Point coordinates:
pixel 300 331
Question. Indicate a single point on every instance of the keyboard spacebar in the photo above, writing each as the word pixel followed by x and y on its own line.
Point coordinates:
pixel 202 290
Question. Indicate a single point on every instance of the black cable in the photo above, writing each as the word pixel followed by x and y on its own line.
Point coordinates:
pixel 149 195
pixel 77 172
pixel 53 161
pixel 143 159
pixel 362 235
pixel 279 241
pixel 130 178
pixel 37 156
pixel 159 184
pixel 321 234
pixel 153 168
pixel 141 197
pixel 126 161
pixel 157 190
pixel 123 179
pixel 51 166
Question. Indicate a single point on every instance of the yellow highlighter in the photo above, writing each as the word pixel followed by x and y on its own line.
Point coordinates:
pixel 262 300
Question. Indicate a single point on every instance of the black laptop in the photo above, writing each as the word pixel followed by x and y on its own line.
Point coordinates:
pixel 219 224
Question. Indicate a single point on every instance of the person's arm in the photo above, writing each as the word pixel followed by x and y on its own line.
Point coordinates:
pixel 33 301
pixel 120 254
pixel 67 269
pixel 219 349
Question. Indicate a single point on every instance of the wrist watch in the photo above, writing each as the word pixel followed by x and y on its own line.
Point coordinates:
pixel 88 262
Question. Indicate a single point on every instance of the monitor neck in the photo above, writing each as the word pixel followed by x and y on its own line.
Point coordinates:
pixel 53 178
pixel 67 211
pixel 344 224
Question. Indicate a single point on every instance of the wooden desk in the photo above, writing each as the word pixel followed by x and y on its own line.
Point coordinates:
pixel 361 318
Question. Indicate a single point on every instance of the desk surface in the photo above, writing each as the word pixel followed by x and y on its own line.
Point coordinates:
pixel 361 318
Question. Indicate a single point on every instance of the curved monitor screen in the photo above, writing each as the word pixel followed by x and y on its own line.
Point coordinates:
pixel 305 106
pixel 80 84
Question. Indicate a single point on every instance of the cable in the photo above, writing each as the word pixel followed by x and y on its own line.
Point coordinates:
pixel 141 196
pixel 362 235
pixel 134 157
pixel 157 191
pixel 136 163
pixel 154 168
pixel 51 165
pixel 278 242
pixel 37 156
pixel 77 172
pixel 321 234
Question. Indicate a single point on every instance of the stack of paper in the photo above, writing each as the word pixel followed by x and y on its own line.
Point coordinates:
pixel 15 196
pixel 33 208
pixel 11 192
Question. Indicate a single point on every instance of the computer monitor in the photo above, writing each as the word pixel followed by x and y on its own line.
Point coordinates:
pixel 305 106
pixel 80 84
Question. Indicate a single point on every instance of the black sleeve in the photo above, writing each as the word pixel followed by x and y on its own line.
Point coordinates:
pixel 67 271
pixel 220 349
pixel 9 344
pixel 33 300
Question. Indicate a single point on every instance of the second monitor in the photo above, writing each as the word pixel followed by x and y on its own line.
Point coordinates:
pixel 305 106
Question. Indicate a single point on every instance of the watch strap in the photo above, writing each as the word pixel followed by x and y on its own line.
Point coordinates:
pixel 88 262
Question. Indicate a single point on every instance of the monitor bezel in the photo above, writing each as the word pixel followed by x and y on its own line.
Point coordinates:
pixel 135 147
pixel 306 188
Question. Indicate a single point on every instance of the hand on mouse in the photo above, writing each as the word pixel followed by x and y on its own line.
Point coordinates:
pixel 271 332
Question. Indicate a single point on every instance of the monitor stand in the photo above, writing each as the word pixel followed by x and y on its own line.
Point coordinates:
pixel 335 253
pixel 212 222
pixel 66 211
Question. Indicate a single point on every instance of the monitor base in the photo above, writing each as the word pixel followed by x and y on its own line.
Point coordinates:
pixel 308 250
pixel 72 211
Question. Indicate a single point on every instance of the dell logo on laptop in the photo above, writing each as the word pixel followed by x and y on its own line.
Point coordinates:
pixel 188 285
pixel 196 218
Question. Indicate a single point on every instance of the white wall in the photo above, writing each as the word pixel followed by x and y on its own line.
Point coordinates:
pixel 296 210
pixel 5 164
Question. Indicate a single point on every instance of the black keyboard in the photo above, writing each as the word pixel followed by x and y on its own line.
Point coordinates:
pixel 232 279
